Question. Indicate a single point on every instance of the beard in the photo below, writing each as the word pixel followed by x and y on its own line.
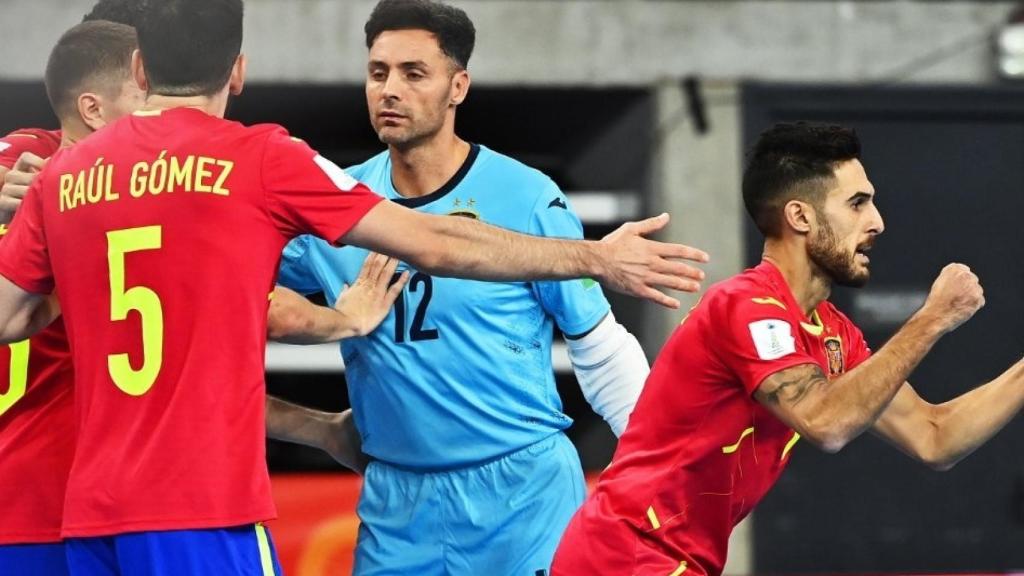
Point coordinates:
pixel 840 265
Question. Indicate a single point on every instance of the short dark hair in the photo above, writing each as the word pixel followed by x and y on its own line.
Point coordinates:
pixel 793 160
pixel 91 56
pixel 453 28
pixel 190 46
pixel 121 11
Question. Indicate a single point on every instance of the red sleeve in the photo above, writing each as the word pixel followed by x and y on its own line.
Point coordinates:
pixel 308 194
pixel 24 258
pixel 757 338
pixel 857 349
pixel 38 142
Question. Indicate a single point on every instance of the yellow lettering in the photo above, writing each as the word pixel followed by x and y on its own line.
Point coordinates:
pixel 92 191
pixel 108 189
pixel 203 175
pixel 158 174
pixel 181 174
pixel 78 196
pixel 67 181
pixel 219 188
pixel 139 181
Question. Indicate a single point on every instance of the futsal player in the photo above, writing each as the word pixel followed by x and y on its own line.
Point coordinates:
pixel 764 360
pixel 453 393
pixel 163 265
pixel 89 84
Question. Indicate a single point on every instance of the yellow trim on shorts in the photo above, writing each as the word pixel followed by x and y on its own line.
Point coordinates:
pixel 734 447
pixel 263 543
pixel 653 518
pixel 680 570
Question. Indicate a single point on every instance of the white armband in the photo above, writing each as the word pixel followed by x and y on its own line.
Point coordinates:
pixel 611 368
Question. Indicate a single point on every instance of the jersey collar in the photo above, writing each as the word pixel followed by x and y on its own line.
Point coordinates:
pixel 474 151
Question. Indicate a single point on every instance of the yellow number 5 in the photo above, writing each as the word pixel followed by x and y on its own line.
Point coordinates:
pixel 19 376
pixel 140 298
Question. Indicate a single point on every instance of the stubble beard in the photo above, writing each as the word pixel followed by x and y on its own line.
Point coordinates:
pixel 840 266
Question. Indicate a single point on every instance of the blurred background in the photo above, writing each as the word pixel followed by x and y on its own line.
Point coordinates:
pixel 636 107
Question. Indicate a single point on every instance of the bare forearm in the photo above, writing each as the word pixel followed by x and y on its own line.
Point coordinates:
pixel 297 424
pixel 295 320
pixel 472 249
pixel 26 316
pixel 968 421
pixel 831 413
pixel 334 433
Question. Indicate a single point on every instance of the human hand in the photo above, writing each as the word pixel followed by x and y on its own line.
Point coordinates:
pixel 955 297
pixel 344 443
pixel 638 266
pixel 16 182
pixel 369 299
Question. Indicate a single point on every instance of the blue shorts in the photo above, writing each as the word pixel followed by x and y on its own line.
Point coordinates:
pixel 504 517
pixel 241 551
pixel 22 559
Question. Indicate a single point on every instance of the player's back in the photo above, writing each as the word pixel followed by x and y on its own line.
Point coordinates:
pixel 164 232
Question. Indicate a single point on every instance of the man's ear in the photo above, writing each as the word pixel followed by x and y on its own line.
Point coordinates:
pixel 90 110
pixel 139 71
pixel 460 87
pixel 799 216
pixel 237 80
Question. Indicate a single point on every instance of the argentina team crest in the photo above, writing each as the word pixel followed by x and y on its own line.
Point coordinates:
pixel 834 352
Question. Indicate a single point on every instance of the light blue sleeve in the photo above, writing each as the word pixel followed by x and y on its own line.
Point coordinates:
pixel 295 271
pixel 576 305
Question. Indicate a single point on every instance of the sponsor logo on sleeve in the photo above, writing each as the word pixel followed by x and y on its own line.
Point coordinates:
pixel 558 203
pixel 772 338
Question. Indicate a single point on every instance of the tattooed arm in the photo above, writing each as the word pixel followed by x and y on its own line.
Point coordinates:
pixel 940 435
pixel 831 413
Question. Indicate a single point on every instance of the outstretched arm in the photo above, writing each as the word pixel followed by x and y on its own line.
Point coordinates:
pixel 831 413
pixel 334 433
pixel 360 308
pixel 624 260
pixel 940 435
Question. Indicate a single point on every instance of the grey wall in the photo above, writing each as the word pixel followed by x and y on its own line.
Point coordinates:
pixel 597 42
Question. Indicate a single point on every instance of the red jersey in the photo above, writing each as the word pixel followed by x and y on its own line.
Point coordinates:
pixel 163 233
pixel 36 405
pixel 699 452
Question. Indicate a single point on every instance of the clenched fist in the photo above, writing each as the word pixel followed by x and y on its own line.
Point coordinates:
pixel 955 296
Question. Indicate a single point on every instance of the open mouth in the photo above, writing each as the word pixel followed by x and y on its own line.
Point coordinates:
pixel 862 252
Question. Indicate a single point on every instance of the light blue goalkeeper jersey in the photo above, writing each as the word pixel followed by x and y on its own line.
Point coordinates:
pixel 459 373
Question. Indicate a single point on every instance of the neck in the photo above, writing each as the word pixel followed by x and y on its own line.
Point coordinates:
pixel 423 168
pixel 72 132
pixel 809 286
pixel 215 105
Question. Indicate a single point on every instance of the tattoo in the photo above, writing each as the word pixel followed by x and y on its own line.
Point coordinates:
pixel 792 385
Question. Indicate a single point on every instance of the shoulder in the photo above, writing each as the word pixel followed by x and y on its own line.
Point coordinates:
pixel 42 143
pixel 525 180
pixel 372 165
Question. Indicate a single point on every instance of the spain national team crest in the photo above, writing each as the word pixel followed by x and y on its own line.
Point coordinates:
pixel 834 351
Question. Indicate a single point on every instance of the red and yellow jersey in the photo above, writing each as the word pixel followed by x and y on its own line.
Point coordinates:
pixel 162 234
pixel 37 439
pixel 700 452
pixel 42 143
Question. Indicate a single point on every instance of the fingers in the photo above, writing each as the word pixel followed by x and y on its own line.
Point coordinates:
pixel 673 283
pixel 388 270
pixel 29 162
pixel 374 263
pixel 395 290
pixel 658 298
pixel 648 226
pixel 681 252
